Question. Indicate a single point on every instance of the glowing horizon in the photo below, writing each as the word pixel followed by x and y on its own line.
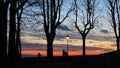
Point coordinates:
pixel 93 47
pixel 59 53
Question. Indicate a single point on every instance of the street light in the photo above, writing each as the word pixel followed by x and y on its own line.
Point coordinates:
pixel 67 37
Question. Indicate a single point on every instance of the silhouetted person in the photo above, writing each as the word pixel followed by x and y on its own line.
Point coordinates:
pixel 39 55
pixel 64 53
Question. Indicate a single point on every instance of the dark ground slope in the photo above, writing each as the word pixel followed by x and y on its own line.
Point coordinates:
pixel 108 60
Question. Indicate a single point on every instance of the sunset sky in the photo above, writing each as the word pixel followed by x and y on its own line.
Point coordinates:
pixel 99 40
pixel 96 43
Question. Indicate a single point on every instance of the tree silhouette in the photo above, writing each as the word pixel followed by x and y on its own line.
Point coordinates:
pixel 13 38
pixel 88 19
pixel 3 29
pixel 18 30
pixel 114 15
pixel 52 18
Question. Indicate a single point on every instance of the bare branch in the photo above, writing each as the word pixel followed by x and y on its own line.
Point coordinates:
pixel 21 5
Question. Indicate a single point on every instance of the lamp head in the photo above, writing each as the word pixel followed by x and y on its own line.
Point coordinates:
pixel 67 37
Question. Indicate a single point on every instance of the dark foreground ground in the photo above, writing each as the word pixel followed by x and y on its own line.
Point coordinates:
pixel 108 60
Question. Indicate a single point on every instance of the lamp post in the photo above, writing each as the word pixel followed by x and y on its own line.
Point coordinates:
pixel 67 37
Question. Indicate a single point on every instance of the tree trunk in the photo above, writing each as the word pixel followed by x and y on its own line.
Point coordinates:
pixel 117 41
pixel 83 38
pixel 119 37
pixel 3 35
pixel 12 32
pixel 50 46
pixel 18 43
pixel 18 40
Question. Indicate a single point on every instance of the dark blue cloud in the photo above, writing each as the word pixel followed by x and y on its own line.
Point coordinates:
pixel 33 46
pixel 104 31
pixel 57 47
pixel 59 36
pixel 64 27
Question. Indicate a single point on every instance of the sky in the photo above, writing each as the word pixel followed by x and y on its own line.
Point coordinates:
pixel 96 43
pixel 100 40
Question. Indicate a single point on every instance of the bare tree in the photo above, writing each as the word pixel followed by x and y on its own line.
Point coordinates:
pixel 114 15
pixel 88 19
pixel 18 30
pixel 52 10
pixel 20 19
pixel 13 48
